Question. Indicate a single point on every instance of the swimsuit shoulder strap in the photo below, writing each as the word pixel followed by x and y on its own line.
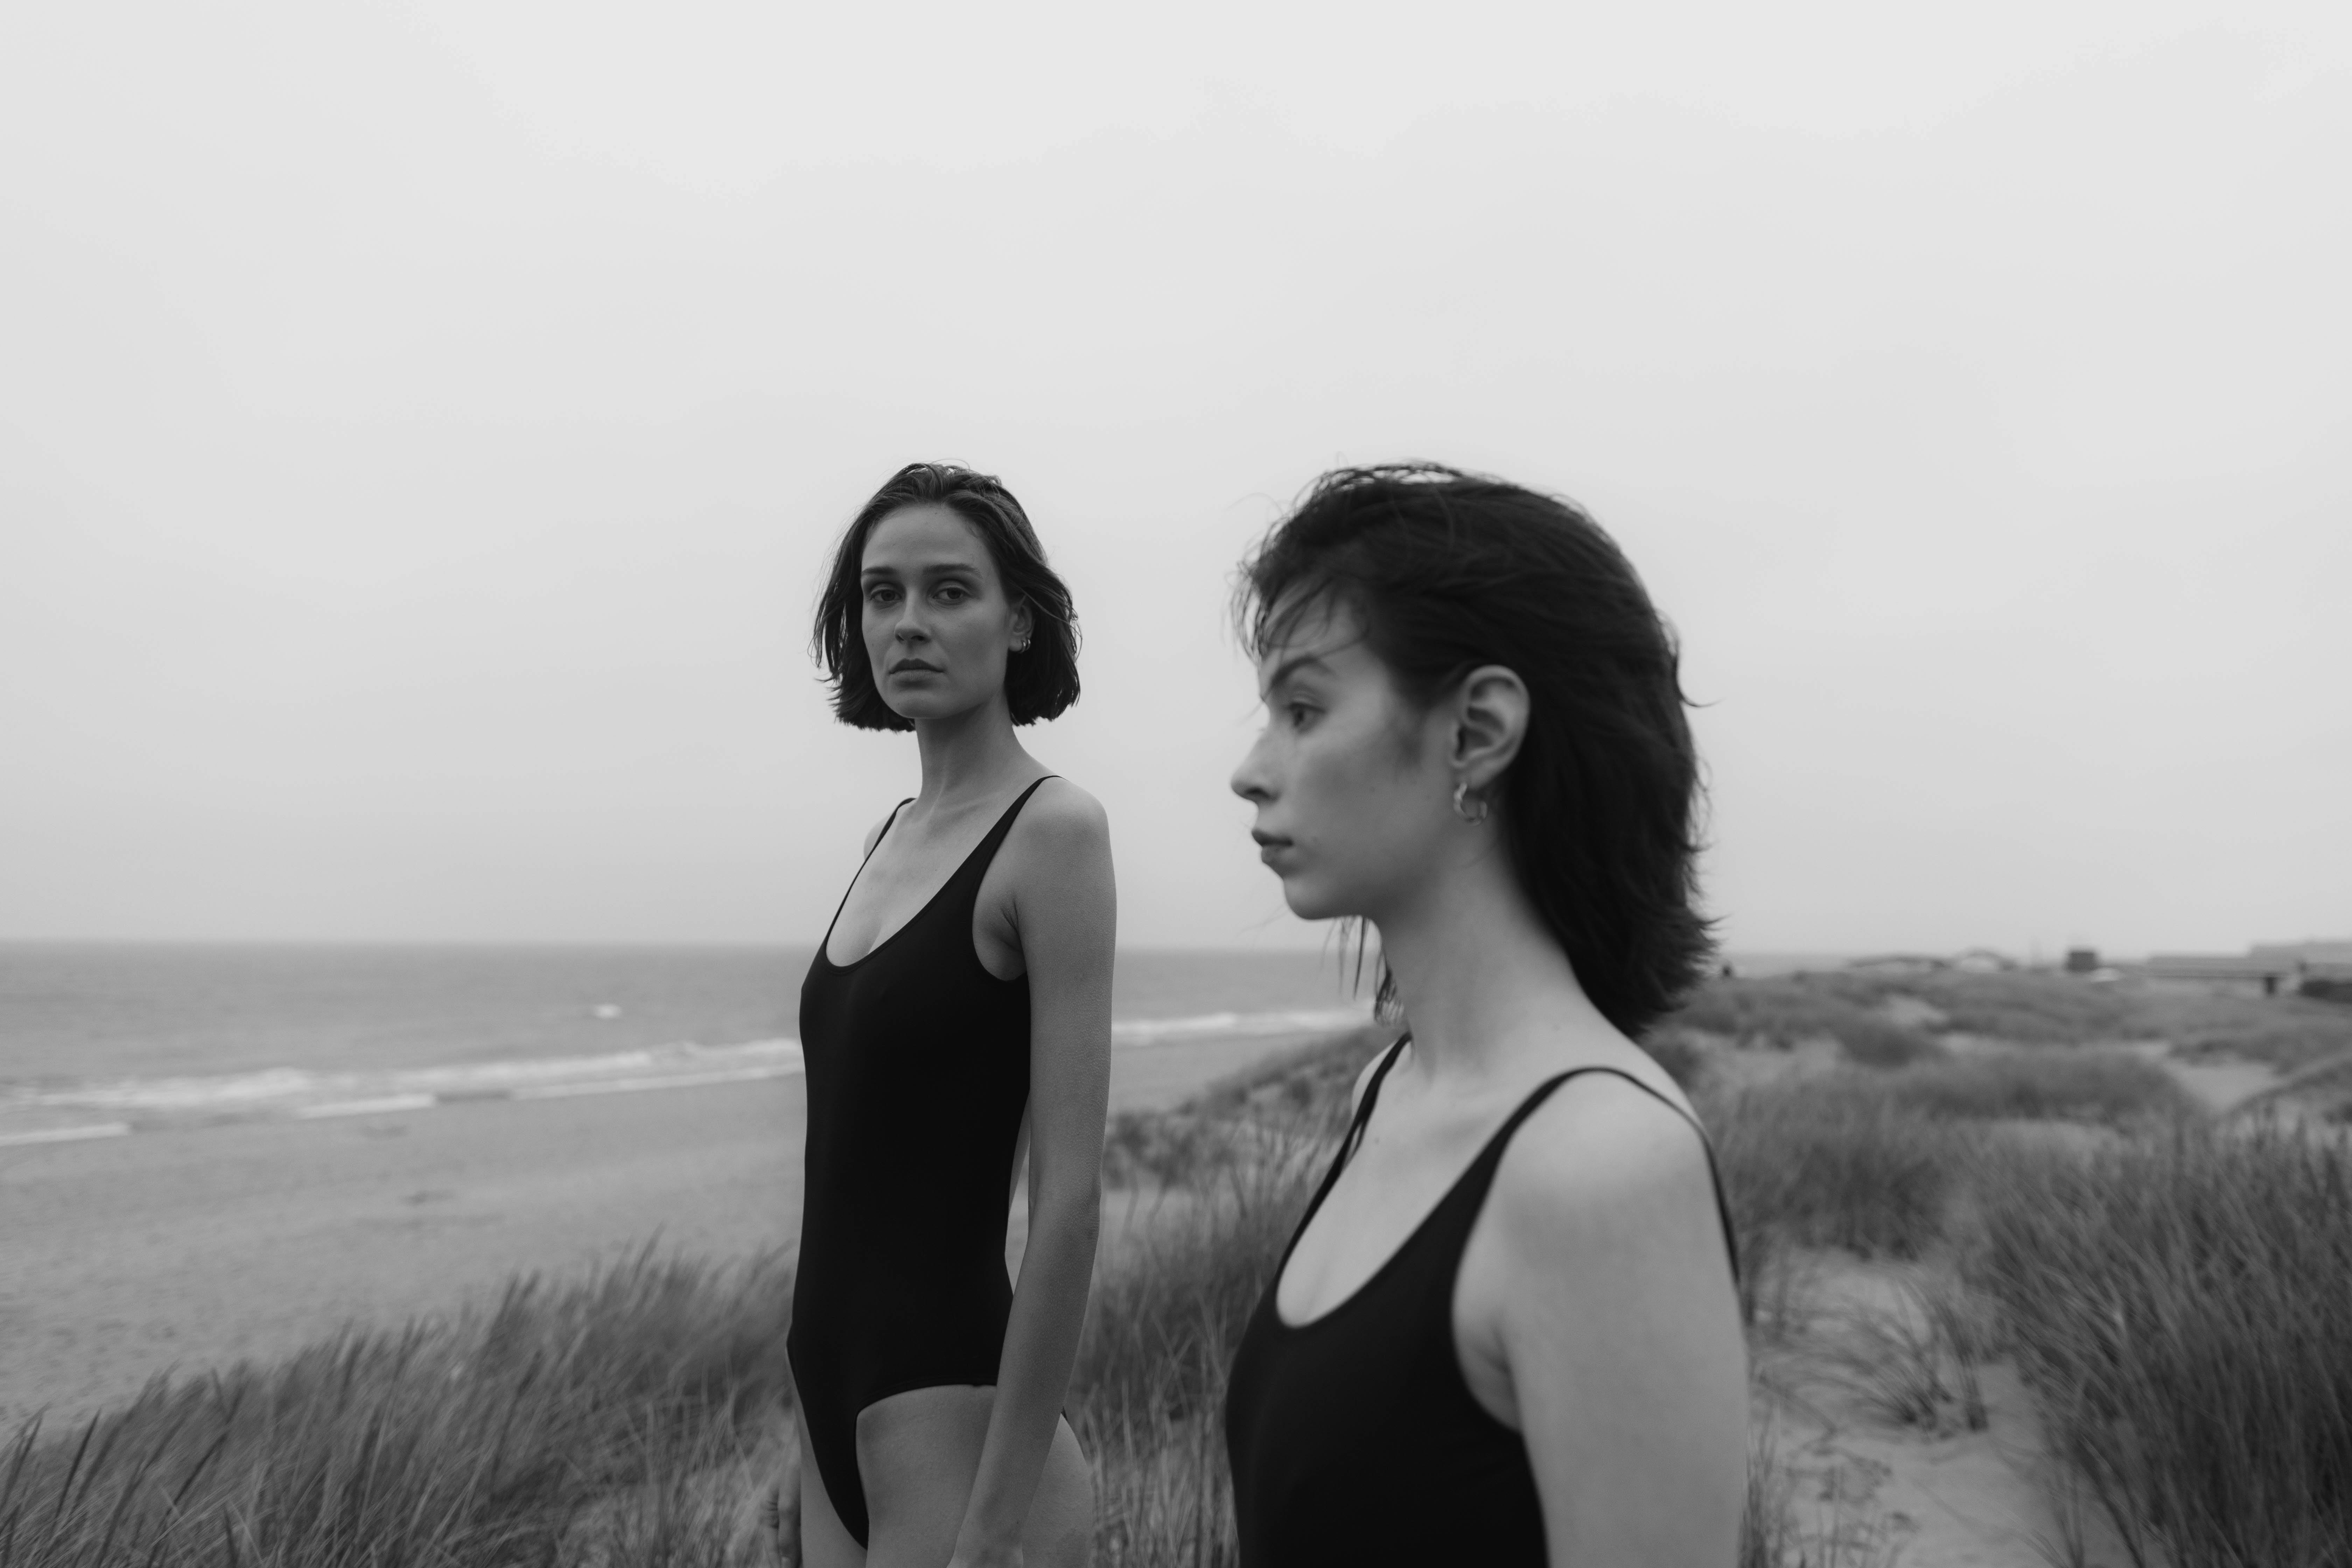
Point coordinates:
pixel 975 869
pixel 1491 1156
pixel 1358 1123
pixel 1346 1146
pixel 870 849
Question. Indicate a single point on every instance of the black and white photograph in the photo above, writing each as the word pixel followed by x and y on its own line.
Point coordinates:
pixel 1231 787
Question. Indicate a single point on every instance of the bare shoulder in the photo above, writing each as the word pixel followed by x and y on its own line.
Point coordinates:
pixel 1059 897
pixel 1602 1162
pixel 1062 818
pixel 874 834
pixel 1059 868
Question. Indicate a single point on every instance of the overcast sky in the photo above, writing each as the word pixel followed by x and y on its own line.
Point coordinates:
pixel 422 427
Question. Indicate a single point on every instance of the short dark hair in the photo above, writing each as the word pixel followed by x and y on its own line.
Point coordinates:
pixel 1448 571
pixel 1040 681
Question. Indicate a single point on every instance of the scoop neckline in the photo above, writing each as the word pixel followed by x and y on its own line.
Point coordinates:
pixel 1412 1238
pixel 824 947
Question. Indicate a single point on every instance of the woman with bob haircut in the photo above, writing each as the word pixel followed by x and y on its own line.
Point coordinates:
pixel 958 1011
pixel 1507 1331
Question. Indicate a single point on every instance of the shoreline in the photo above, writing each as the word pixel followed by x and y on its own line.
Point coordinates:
pixel 189 1248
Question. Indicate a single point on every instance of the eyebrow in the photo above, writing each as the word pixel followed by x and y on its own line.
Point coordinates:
pixel 1289 668
pixel 934 569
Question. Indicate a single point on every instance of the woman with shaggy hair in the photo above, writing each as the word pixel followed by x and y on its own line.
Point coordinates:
pixel 1507 1331
pixel 958 1010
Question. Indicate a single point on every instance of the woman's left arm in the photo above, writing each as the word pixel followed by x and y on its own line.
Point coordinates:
pixel 1066 910
pixel 1619 1325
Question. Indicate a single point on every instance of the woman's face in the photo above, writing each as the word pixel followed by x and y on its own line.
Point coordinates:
pixel 1350 780
pixel 937 623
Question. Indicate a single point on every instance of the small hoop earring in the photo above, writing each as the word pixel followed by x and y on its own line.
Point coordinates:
pixel 1020 647
pixel 1461 793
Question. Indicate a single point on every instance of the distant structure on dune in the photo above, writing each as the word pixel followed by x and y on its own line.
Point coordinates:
pixel 1900 964
pixel 2322 969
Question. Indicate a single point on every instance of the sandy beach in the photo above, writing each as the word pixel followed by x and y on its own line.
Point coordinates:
pixel 180 1251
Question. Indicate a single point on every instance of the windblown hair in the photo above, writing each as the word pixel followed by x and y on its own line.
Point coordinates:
pixel 1040 681
pixel 1448 571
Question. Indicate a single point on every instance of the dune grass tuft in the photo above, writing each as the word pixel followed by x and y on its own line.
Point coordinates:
pixel 2179 1304
pixel 2029 1008
pixel 490 1439
pixel 1831 1160
pixel 1787 1011
pixel 2290 1035
pixel 1168 1311
pixel 2068 1085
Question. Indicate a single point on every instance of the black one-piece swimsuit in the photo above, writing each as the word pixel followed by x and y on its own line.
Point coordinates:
pixel 918 1077
pixel 1353 1437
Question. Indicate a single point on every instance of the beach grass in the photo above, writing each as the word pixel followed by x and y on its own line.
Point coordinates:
pixel 566 1423
pixel 2172 1287
pixel 2027 1006
pixel 2291 1035
pixel 2178 1303
pixel 1827 1161
pixel 2110 1088
pixel 1300 1093
pixel 1782 1013
pixel 2017 1007
pixel 1169 1305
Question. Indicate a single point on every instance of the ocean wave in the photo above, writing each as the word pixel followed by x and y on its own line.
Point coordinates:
pixel 300 1092
pixel 293 1088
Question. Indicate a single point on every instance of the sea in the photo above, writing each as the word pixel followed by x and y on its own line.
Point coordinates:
pixel 106 1040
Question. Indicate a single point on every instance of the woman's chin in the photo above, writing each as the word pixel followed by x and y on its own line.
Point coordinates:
pixel 917 707
pixel 1310 903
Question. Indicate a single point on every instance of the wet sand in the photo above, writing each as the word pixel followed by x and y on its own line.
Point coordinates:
pixel 187 1250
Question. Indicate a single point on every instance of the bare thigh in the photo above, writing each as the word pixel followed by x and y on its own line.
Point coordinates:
pixel 918 1451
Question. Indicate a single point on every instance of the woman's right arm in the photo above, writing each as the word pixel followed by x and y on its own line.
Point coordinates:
pixel 1619 1324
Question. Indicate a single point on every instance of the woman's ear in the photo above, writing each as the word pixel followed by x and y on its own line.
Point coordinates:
pixel 1023 625
pixel 1490 721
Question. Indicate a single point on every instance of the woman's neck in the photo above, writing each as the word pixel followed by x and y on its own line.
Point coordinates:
pixel 1483 981
pixel 968 755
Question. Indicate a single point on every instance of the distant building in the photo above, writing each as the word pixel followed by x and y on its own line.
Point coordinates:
pixel 2220 968
pixel 2315 968
pixel 1983 961
pixel 2082 960
pixel 2322 969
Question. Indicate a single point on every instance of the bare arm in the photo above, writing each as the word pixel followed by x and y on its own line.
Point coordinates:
pixel 1619 1328
pixel 1066 913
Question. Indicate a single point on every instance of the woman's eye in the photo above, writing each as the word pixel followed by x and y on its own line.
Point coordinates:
pixel 1299 714
pixel 953 594
pixel 880 593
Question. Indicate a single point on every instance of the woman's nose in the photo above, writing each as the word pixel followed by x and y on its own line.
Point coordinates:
pixel 1250 780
